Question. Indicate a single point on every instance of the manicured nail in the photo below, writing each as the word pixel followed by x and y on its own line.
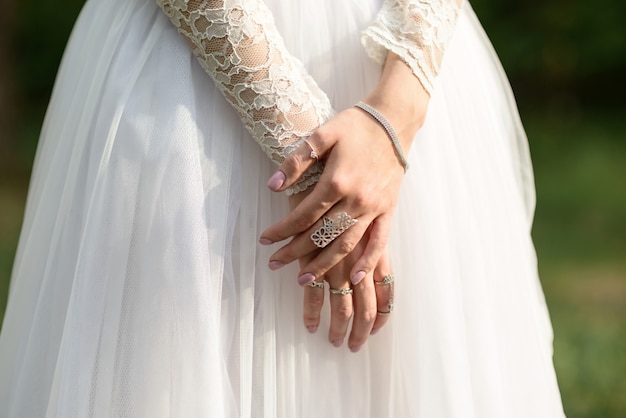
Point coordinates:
pixel 305 279
pixel 312 330
pixel 275 264
pixel 265 241
pixel 358 276
pixel 355 348
pixel 337 343
pixel 276 181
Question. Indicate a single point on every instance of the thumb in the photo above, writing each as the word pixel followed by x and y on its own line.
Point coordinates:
pixel 306 155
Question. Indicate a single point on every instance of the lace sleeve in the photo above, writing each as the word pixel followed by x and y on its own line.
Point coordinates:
pixel 415 30
pixel 238 45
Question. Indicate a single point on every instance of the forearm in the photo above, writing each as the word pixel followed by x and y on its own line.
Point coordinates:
pixel 401 98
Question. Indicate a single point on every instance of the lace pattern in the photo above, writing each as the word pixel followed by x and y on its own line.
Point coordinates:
pixel 238 45
pixel 415 30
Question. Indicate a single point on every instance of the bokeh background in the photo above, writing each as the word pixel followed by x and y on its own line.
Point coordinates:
pixel 566 60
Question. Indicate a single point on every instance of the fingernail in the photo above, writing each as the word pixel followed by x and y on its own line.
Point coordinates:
pixel 305 279
pixel 374 331
pixel 276 181
pixel 355 348
pixel 358 276
pixel 312 330
pixel 275 264
pixel 337 343
pixel 265 241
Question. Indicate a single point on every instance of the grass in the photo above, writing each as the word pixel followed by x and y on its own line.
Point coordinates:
pixel 580 235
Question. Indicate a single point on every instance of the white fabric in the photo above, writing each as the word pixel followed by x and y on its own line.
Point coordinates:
pixel 415 30
pixel 238 45
pixel 139 289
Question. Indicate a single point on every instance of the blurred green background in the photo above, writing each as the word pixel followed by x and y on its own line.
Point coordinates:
pixel 566 61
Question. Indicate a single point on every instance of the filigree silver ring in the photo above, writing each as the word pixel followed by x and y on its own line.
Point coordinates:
pixel 332 229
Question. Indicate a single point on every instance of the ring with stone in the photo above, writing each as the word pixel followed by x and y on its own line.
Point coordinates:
pixel 342 292
pixel 387 280
pixel 316 284
pixel 313 153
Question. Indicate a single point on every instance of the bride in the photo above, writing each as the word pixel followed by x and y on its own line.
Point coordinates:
pixel 153 278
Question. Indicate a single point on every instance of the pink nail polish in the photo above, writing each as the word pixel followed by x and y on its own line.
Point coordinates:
pixel 265 241
pixel 276 181
pixel 312 330
pixel 337 343
pixel 305 279
pixel 358 276
pixel 275 264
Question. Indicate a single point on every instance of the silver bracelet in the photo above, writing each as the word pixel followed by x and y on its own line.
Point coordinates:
pixel 388 128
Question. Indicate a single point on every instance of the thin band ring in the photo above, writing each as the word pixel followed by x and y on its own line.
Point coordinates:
pixel 342 292
pixel 313 153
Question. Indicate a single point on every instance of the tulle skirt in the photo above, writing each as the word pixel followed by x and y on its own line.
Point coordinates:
pixel 139 289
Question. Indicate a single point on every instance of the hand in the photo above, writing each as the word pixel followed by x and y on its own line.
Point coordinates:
pixel 369 304
pixel 362 178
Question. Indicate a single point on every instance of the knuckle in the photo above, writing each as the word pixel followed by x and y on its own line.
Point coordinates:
pixel 368 316
pixel 302 222
pixel 346 246
pixel 335 186
pixel 344 312
pixel 292 164
pixel 314 303
pixel 361 200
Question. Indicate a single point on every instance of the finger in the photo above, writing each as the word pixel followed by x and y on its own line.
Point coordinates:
pixel 376 245
pixel 384 293
pixel 302 217
pixel 340 311
pixel 321 239
pixel 299 160
pixel 336 251
pixel 312 306
pixel 364 300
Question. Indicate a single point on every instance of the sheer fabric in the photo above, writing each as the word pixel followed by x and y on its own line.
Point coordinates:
pixel 238 45
pixel 416 30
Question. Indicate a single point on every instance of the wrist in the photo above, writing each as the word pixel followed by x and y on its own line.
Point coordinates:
pixel 401 99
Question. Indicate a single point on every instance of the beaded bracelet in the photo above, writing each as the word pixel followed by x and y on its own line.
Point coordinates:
pixel 388 128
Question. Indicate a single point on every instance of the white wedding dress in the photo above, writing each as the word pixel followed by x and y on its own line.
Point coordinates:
pixel 139 289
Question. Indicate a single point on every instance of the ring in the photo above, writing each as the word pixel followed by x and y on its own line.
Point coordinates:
pixel 313 153
pixel 316 284
pixel 389 308
pixel 341 292
pixel 388 279
pixel 332 229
